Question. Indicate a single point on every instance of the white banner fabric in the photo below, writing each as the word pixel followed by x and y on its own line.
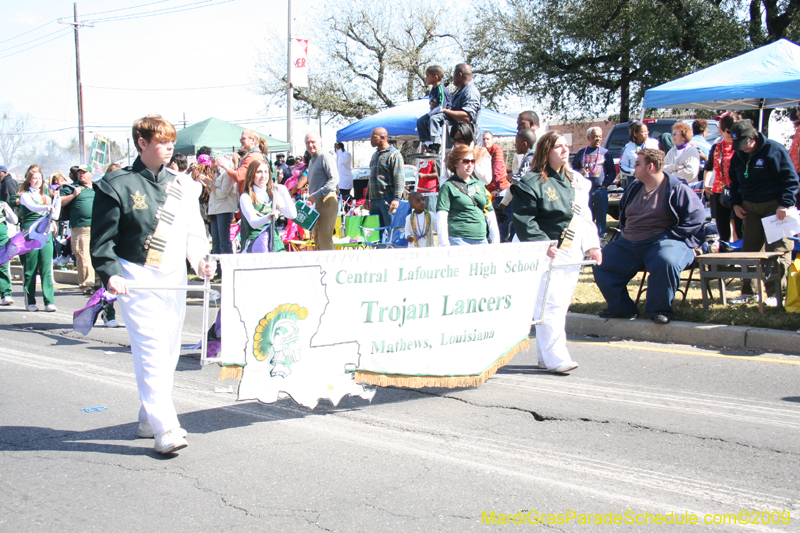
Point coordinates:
pixel 300 324
pixel 299 62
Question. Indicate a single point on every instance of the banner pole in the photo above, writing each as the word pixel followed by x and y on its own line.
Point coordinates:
pixel 204 332
pixel 550 269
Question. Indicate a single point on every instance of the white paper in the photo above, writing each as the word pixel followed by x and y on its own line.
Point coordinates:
pixel 776 230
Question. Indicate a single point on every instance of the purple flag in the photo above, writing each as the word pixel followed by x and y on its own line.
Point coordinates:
pixel 84 319
pixel 32 238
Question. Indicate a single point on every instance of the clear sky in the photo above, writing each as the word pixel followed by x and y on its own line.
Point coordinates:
pixel 127 64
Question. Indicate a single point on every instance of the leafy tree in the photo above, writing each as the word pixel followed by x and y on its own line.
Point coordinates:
pixel 374 55
pixel 581 57
pixel 770 20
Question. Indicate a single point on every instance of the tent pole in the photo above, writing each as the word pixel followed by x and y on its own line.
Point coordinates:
pixel 641 115
pixel 761 116
pixel 289 89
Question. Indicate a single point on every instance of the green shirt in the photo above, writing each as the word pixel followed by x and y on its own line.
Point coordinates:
pixel 464 218
pixel 542 209
pixel 80 214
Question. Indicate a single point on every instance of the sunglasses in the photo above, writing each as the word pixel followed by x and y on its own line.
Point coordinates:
pixel 468 161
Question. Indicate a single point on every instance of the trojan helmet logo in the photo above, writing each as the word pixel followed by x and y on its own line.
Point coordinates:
pixel 277 338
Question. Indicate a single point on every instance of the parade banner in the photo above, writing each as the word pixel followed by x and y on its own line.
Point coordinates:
pixel 299 62
pixel 321 324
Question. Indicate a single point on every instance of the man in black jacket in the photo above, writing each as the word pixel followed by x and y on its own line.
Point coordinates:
pixel 763 183
pixel 8 185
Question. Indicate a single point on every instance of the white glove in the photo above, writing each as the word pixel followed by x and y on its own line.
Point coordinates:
pixel 494 231
pixel 441 222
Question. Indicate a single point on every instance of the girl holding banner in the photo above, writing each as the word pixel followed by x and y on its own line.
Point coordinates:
pixel 552 203
pixel 260 203
pixel 36 204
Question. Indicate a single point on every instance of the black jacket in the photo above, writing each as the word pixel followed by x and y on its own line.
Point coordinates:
pixel 770 175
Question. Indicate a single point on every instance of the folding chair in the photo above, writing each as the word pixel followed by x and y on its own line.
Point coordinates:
pixel 394 234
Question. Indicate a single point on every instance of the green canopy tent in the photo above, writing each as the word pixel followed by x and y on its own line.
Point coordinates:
pixel 219 136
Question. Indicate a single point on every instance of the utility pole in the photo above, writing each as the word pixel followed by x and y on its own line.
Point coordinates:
pixel 289 89
pixel 75 25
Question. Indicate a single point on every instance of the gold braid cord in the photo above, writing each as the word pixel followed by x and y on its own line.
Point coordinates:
pixel 448 382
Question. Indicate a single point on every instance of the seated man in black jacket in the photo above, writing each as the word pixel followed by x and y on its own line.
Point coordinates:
pixel 763 183
pixel 661 220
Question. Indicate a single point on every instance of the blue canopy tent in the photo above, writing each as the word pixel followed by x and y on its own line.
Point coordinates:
pixel 401 123
pixel 763 78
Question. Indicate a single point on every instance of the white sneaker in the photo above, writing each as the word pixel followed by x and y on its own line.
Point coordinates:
pixel 50 308
pixel 7 300
pixel 743 299
pixel 170 442
pixel 541 366
pixel 144 431
pixel 563 368
pixel 111 323
pixel 771 301
pixel 32 308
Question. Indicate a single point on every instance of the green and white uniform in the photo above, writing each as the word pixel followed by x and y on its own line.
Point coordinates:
pixel 34 208
pixel 144 229
pixel 5 275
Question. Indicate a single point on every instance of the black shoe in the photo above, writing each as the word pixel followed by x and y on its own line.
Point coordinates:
pixel 661 319
pixel 88 291
pixel 606 314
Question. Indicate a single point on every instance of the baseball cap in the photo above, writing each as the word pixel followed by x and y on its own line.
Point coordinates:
pixel 3 168
pixel 85 168
pixel 741 132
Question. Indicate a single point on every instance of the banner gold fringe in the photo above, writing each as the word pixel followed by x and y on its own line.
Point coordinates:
pixel 448 382
pixel 230 371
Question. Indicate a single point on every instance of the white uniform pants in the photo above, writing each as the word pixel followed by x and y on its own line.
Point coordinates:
pixel 154 321
pixel 551 335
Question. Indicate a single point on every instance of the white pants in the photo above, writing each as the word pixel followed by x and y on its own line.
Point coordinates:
pixel 551 335
pixel 154 320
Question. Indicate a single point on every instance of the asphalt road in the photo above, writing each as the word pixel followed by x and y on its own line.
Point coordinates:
pixel 639 428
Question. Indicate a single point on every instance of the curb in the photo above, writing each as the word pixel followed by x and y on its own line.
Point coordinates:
pixel 718 335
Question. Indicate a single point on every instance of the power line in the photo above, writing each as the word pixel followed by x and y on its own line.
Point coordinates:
pixel 27 32
pixel 31 41
pixel 67 31
pixel 125 8
pixel 166 11
pixel 185 89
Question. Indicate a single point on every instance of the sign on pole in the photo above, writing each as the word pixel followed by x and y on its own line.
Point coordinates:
pixel 300 62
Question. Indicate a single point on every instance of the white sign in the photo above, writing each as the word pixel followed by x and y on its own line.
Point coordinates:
pixel 314 325
pixel 299 62
pixel 775 229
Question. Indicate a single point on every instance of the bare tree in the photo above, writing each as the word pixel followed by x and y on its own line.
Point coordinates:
pixel 14 133
pixel 374 55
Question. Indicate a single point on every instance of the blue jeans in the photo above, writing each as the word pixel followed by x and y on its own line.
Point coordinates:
pixel 221 233
pixel 460 241
pixel 380 207
pixel 598 201
pixel 663 257
pixel 429 128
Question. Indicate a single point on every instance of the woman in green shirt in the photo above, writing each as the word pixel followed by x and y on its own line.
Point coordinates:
pixel 36 204
pixel 464 208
